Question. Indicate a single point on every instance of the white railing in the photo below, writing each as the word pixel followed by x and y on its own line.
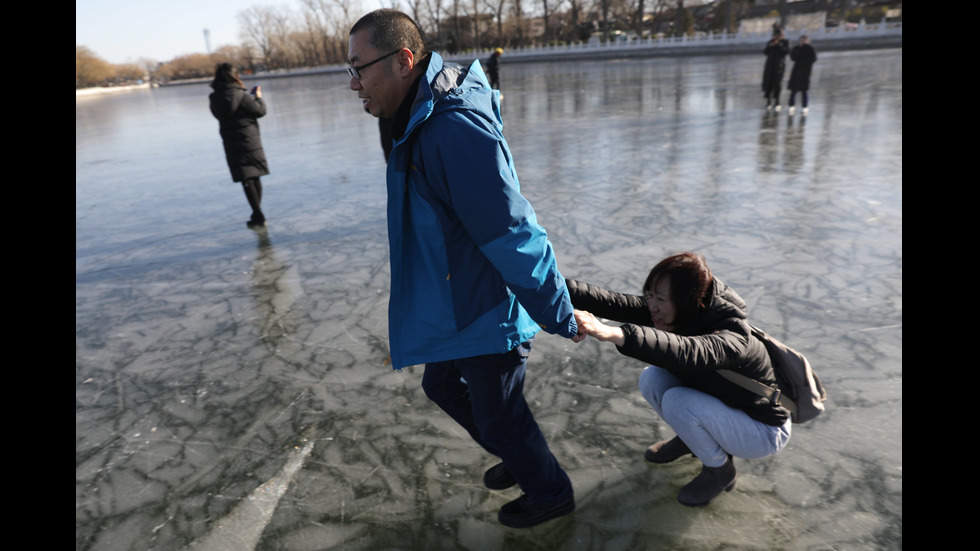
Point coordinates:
pixel 740 39
pixel 708 43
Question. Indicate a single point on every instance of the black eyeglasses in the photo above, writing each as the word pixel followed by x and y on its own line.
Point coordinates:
pixel 356 71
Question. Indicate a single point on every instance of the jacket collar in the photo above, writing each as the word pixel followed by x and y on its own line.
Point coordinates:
pixel 725 303
pixel 444 79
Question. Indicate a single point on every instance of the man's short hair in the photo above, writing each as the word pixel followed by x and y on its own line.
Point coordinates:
pixel 392 30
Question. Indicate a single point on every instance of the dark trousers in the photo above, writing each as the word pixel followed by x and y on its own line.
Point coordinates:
pixel 772 94
pixel 485 395
pixel 805 95
pixel 253 193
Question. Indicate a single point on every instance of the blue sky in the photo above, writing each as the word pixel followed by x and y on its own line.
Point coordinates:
pixel 122 31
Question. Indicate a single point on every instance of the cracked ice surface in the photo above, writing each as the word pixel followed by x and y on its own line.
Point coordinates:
pixel 209 356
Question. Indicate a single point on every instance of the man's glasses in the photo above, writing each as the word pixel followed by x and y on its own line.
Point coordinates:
pixel 356 71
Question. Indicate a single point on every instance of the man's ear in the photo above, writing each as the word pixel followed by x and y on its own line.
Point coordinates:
pixel 406 61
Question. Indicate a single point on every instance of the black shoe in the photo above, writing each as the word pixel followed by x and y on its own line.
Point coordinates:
pixel 498 478
pixel 255 224
pixel 522 513
pixel 709 484
pixel 666 451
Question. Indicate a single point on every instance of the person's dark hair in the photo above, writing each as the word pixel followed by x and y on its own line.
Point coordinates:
pixel 392 30
pixel 690 283
pixel 225 73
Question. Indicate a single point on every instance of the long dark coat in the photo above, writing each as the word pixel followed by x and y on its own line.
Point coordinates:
pixel 493 70
pixel 237 112
pixel 772 76
pixel 803 56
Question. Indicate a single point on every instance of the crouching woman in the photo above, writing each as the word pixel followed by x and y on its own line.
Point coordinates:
pixel 688 326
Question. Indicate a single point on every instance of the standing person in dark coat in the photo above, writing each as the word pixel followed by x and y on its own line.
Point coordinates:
pixel 803 56
pixel 493 68
pixel 237 112
pixel 772 77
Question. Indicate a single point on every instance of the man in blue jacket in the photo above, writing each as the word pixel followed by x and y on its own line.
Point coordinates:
pixel 473 275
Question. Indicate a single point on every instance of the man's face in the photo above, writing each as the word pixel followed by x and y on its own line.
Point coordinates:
pixel 380 87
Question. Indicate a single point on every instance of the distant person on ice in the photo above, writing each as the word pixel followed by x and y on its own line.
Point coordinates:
pixel 237 112
pixel 803 56
pixel 493 68
pixel 772 76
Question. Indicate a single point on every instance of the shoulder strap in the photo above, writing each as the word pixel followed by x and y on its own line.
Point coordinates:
pixel 774 394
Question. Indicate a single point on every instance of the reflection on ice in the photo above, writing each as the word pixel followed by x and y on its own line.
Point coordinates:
pixel 242 528
pixel 225 376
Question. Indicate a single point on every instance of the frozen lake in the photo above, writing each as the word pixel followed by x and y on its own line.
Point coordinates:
pixel 231 391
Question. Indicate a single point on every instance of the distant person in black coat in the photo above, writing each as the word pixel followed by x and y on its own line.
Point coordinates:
pixel 803 56
pixel 237 112
pixel 493 68
pixel 772 77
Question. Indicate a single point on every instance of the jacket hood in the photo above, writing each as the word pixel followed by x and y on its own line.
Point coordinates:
pixel 725 304
pixel 454 87
pixel 226 98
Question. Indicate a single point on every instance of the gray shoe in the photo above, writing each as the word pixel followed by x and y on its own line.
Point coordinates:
pixel 709 484
pixel 666 451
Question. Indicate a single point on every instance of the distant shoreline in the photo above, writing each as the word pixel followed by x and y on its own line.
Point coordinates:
pixel 885 38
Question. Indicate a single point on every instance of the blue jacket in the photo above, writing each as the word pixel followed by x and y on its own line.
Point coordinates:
pixel 472 272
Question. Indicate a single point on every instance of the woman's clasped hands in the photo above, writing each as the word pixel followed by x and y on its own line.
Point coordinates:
pixel 590 326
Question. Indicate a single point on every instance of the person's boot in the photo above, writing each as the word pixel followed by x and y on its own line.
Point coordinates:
pixel 709 484
pixel 252 192
pixel 666 451
pixel 524 513
pixel 498 478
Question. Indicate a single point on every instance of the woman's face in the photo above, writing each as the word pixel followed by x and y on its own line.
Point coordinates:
pixel 662 310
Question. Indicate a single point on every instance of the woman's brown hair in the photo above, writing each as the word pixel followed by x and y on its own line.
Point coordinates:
pixel 690 283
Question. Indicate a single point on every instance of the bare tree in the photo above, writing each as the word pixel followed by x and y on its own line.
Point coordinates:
pixel 188 66
pixel 639 18
pixel 548 7
pixel 129 73
pixel 519 20
pixel 472 14
pixel 316 21
pixel 327 23
pixel 90 69
pixel 281 26
pixel 435 9
pixel 344 13
pixel 498 8
pixel 237 55
pixel 575 9
pixel 414 10
pixel 454 44
pixel 257 28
